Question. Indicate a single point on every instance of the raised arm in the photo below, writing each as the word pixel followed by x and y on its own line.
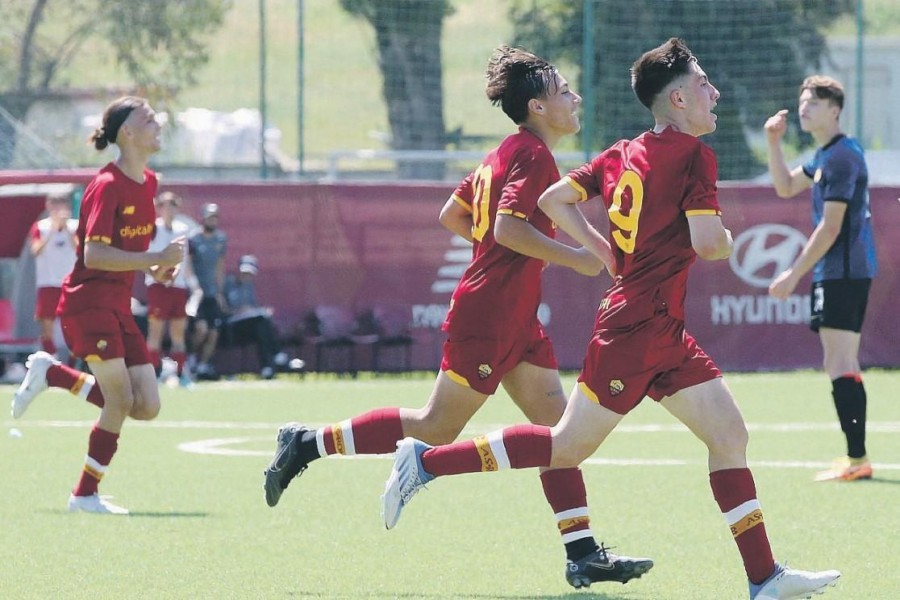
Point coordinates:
pixel 787 182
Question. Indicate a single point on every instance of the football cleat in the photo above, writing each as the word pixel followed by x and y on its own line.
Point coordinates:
pixel 846 469
pixel 792 584
pixel 95 504
pixel 34 383
pixel 286 464
pixel 406 479
pixel 602 565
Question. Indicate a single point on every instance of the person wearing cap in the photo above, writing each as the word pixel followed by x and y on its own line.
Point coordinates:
pixel 207 249
pixel 248 322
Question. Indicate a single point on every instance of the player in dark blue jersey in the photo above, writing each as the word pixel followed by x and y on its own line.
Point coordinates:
pixel 840 253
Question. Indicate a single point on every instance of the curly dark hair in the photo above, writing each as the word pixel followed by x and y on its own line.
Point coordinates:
pixel 657 68
pixel 515 76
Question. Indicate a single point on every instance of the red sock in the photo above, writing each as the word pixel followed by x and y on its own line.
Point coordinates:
pixel 48 346
pixel 374 432
pixel 76 382
pixel 179 358
pixel 735 493
pixel 565 491
pixel 516 447
pixel 155 360
pixel 102 446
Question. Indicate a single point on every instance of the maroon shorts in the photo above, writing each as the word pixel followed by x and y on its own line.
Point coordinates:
pixel 655 358
pixel 103 334
pixel 166 302
pixel 481 363
pixel 45 304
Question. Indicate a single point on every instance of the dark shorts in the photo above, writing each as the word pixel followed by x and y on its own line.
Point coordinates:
pixel 481 363
pixel 839 304
pixel 101 334
pixel 45 303
pixel 166 302
pixel 210 311
pixel 655 358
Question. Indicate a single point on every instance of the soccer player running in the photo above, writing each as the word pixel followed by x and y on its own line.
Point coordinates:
pixel 660 193
pixel 840 252
pixel 494 336
pixel 114 232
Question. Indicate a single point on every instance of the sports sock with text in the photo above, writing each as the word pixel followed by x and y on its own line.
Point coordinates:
pixel 565 491
pixel 735 492
pixel 102 446
pixel 76 382
pixel 374 432
pixel 516 447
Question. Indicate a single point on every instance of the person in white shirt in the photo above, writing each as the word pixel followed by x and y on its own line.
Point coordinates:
pixel 166 302
pixel 53 245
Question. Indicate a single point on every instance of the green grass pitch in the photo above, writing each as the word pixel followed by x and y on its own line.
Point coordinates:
pixel 200 527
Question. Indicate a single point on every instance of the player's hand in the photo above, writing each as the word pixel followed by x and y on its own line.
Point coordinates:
pixel 173 253
pixel 776 126
pixel 587 263
pixel 783 286
pixel 164 275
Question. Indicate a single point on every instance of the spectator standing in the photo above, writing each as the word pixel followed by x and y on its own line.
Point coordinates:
pixel 166 302
pixel 840 253
pixel 54 246
pixel 207 249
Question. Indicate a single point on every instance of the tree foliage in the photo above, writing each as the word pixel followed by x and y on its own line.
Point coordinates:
pixel 755 51
pixel 408 38
pixel 160 44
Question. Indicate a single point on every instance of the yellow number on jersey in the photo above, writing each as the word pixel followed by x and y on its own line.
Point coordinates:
pixel 627 231
pixel 481 204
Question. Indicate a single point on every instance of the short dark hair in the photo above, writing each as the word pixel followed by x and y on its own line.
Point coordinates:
pixel 657 68
pixel 826 88
pixel 515 76
pixel 113 117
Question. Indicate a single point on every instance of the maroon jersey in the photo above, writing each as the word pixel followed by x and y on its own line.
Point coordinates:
pixel 650 185
pixel 500 291
pixel 118 211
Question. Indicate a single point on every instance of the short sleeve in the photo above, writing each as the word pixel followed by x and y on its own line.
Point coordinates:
pixel 35 232
pixel 464 194
pixel 701 194
pixel 840 172
pixel 101 209
pixel 529 172
pixel 585 178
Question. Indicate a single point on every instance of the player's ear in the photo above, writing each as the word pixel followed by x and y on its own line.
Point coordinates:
pixel 535 106
pixel 676 97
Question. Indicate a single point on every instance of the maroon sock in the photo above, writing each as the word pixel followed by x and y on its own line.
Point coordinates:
pixel 73 380
pixel 48 346
pixel 516 447
pixel 567 496
pixel 374 432
pixel 102 446
pixel 180 358
pixel 735 493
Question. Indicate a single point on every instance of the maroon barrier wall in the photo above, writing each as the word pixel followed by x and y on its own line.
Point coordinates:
pixel 362 246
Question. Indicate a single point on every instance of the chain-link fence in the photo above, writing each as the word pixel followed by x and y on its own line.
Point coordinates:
pixel 395 88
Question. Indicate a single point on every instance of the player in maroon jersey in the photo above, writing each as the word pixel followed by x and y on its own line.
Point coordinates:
pixel 494 335
pixel 660 193
pixel 114 231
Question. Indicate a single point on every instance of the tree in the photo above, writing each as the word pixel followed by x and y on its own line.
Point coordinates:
pixel 408 37
pixel 755 51
pixel 160 45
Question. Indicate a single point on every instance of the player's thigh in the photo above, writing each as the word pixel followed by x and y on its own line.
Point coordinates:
pixel 709 410
pixel 450 406
pixel 583 427
pixel 840 349
pixel 145 390
pixel 537 391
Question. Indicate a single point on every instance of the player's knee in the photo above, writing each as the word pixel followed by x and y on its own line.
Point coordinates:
pixel 145 411
pixel 730 440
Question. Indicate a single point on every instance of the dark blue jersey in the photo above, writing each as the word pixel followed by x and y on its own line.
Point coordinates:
pixel 839 174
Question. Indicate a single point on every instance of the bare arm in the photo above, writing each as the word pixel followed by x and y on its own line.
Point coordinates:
pixel 457 218
pixel 560 203
pixel 709 238
pixel 818 244
pixel 518 235
pixel 788 183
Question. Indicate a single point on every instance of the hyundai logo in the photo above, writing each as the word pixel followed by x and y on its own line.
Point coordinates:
pixel 763 251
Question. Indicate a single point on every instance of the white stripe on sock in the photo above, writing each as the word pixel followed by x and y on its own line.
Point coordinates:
pixel 736 514
pixel 495 439
pixel 576 535
pixel 320 441
pixel 86 387
pixel 572 513
pixel 349 444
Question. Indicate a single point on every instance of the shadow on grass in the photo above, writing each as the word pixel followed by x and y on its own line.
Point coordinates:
pixel 881 480
pixel 174 514
pixel 566 596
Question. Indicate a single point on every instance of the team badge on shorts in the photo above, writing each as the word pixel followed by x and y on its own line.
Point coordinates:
pixel 484 371
pixel 101 345
pixel 615 387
